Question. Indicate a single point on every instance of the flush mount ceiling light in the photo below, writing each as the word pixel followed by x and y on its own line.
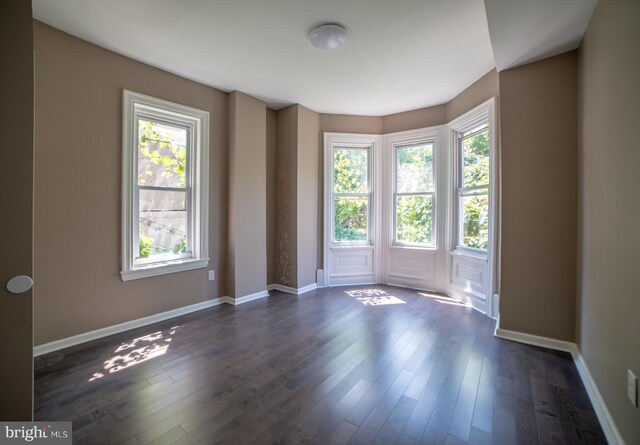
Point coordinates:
pixel 328 36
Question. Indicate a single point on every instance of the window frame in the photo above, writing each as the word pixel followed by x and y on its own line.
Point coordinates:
pixel 368 194
pixel 395 194
pixel 196 122
pixel 482 117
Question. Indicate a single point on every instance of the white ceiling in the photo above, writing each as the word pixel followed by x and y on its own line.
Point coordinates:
pixel 401 55
pixel 528 30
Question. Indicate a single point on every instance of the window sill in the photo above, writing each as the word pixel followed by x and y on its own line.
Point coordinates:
pixel 413 247
pixel 345 246
pixel 163 268
pixel 478 255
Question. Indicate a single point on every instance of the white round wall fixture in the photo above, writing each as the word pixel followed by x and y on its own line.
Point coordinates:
pixel 328 36
pixel 19 284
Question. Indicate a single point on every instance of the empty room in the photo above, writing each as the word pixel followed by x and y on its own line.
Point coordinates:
pixel 320 222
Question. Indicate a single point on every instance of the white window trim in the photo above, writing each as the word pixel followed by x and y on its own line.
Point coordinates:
pixel 481 114
pixel 392 142
pixel 347 140
pixel 198 121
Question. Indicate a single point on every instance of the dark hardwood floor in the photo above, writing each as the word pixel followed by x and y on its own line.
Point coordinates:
pixel 333 366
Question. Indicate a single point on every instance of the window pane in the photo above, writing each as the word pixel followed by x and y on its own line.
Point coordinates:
pixel 414 169
pixel 163 222
pixel 350 171
pixel 475 153
pixel 162 154
pixel 475 214
pixel 414 219
pixel 351 218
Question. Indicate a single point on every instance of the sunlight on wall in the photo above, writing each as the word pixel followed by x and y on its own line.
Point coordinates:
pixel 373 297
pixel 136 351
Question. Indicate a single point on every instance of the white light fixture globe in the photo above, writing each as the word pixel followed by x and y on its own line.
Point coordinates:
pixel 328 36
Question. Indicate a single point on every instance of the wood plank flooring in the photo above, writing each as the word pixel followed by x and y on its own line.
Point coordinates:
pixel 351 365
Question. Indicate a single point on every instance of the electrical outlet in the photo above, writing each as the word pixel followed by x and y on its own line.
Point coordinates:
pixel 212 275
pixel 632 387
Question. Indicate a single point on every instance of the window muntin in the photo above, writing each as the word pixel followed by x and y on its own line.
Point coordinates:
pixel 351 195
pixel 473 187
pixel 165 187
pixel 414 195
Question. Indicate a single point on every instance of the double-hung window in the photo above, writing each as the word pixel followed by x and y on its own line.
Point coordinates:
pixel 473 153
pixel 351 195
pixel 165 184
pixel 414 193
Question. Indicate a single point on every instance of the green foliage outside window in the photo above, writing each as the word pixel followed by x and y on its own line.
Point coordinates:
pixel 160 160
pixel 351 213
pixel 414 213
pixel 145 245
pixel 475 209
pixel 351 219
pixel 413 219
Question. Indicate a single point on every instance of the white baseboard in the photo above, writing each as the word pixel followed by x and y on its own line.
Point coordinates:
pixel 602 412
pixel 495 331
pixel 144 321
pixel 609 428
pixel 293 290
pixel 121 327
pixel 246 298
pixel 227 300
pixel 536 340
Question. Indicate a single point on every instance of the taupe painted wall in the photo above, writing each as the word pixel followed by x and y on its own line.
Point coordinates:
pixel 78 137
pixel 480 91
pixel 16 198
pixel 247 261
pixel 307 195
pixel 539 197
pixel 609 216
pixel 346 123
pixel 271 195
pixel 410 120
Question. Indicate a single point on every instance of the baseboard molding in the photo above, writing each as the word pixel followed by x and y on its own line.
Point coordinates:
pixel 246 298
pixel 602 412
pixel 293 290
pixel 495 331
pixel 140 322
pixel 536 340
pixel 121 327
pixel 609 428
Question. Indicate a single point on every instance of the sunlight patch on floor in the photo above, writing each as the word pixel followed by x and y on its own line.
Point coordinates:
pixel 373 297
pixel 443 299
pixel 454 303
pixel 137 351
